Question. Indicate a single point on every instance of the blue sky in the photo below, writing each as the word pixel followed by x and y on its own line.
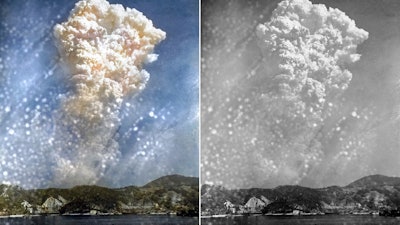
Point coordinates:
pixel 159 127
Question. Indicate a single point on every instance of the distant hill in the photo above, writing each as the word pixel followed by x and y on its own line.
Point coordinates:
pixel 169 194
pixel 375 180
pixel 173 181
pixel 366 195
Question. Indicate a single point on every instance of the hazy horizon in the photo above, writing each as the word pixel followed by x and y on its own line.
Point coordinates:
pixel 332 185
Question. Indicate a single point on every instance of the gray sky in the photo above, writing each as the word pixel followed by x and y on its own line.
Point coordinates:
pixel 358 137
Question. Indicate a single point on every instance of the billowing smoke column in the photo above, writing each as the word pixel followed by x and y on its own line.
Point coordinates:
pixel 307 49
pixel 103 47
pixel 272 127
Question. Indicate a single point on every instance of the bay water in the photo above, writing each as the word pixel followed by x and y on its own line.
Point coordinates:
pixel 101 220
pixel 303 220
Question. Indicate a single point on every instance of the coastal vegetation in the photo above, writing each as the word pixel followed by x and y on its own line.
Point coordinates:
pixel 375 194
pixel 169 194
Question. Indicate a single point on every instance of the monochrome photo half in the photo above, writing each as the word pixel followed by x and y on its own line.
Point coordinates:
pixel 300 112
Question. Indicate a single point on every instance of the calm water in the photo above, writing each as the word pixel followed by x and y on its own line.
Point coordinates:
pixel 304 220
pixel 103 220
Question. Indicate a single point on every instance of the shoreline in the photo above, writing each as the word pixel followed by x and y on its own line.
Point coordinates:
pixel 85 214
pixel 286 215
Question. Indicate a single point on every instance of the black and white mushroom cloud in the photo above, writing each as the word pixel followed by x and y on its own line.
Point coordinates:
pixel 103 48
pixel 306 52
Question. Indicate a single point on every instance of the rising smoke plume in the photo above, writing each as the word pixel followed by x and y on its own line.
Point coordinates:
pixel 103 47
pixel 307 49
pixel 271 131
